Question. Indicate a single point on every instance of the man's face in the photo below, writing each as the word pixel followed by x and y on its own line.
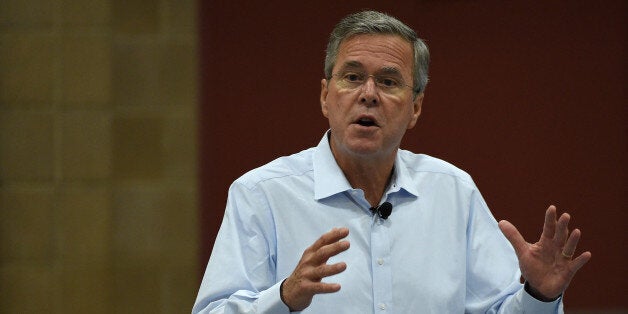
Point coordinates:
pixel 368 118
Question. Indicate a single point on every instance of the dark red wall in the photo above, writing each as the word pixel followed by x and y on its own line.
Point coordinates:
pixel 528 96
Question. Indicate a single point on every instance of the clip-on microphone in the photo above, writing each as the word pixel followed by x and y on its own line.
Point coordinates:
pixel 383 211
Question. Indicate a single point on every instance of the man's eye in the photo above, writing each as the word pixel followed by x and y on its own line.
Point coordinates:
pixel 352 77
pixel 388 82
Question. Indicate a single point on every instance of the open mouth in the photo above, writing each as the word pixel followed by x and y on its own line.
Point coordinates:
pixel 366 122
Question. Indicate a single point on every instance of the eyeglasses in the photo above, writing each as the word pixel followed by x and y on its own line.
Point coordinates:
pixel 386 83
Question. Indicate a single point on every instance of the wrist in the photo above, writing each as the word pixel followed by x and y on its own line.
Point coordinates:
pixel 282 297
pixel 537 295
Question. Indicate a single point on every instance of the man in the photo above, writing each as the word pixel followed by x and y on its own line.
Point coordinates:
pixel 439 251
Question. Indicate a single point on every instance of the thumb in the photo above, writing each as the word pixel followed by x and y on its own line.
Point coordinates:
pixel 514 237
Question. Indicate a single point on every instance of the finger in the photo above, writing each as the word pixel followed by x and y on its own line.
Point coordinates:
pixel 334 235
pixel 324 253
pixel 321 287
pixel 549 227
pixel 572 243
pixel 514 237
pixel 323 271
pixel 579 261
pixel 562 230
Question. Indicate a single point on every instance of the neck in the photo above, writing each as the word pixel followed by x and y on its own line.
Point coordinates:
pixel 368 174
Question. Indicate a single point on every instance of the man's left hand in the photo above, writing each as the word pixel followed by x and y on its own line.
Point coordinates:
pixel 548 265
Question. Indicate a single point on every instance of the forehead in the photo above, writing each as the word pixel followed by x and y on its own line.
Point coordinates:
pixel 374 52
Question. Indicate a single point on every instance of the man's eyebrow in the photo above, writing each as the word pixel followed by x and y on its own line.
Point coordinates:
pixel 351 65
pixel 356 65
pixel 389 71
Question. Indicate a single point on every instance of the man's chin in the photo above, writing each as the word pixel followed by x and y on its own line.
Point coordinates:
pixel 358 145
pixel 365 148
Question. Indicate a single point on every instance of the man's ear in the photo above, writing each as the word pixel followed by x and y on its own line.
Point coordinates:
pixel 324 97
pixel 417 103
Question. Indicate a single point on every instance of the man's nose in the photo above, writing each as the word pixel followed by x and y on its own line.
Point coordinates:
pixel 369 95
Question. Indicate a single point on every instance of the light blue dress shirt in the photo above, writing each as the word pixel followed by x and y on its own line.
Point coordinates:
pixel 440 251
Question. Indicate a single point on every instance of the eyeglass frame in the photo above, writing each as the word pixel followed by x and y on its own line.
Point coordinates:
pixel 377 78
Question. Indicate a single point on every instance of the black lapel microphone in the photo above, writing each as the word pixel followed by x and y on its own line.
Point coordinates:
pixel 383 210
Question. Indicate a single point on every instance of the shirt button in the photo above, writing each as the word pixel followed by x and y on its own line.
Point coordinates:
pixel 380 261
pixel 382 306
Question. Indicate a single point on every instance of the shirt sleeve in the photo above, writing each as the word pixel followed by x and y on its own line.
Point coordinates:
pixel 241 275
pixel 493 275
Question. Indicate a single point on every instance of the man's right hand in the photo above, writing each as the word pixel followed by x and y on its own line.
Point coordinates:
pixel 299 289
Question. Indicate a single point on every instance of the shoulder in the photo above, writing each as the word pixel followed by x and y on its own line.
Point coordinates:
pixel 297 164
pixel 425 164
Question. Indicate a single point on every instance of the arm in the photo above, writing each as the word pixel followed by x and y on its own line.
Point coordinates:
pixel 240 275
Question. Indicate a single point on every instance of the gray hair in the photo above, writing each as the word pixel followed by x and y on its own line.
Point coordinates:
pixel 372 22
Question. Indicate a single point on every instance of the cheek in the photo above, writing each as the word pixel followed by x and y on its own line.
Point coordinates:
pixel 332 109
pixel 324 110
pixel 401 116
pixel 335 105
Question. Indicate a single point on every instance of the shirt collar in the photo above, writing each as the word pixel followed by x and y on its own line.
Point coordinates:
pixel 330 180
pixel 328 177
pixel 401 177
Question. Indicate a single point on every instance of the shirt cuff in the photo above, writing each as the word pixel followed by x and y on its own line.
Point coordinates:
pixel 532 305
pixel 269 301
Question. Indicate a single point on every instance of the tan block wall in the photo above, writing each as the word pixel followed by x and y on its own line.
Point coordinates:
pixel 98 206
